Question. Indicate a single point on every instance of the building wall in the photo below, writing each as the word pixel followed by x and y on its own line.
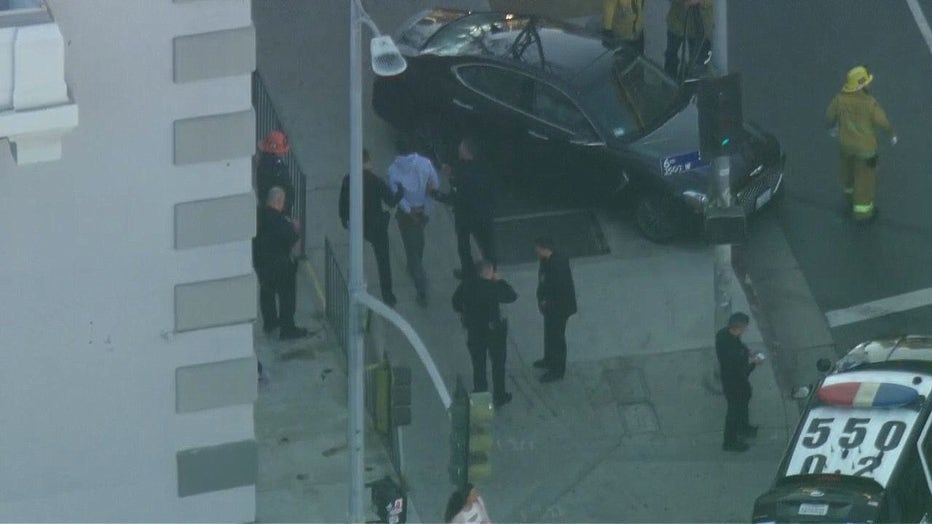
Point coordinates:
pixel 128 371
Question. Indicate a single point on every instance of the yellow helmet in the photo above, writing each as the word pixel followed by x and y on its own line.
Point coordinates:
pixel 858 78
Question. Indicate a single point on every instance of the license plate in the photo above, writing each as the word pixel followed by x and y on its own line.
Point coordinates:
pixel 813 509
pixel 764 198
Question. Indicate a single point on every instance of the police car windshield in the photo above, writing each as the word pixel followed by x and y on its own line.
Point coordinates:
pixel 637 98
pixel 856 440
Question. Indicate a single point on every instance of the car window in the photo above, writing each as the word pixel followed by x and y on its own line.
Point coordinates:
pixel 477 34
pixel 635 98
pixel 554 107
pixel 506 87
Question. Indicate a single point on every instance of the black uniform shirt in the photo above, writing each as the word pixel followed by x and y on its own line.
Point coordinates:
pixel 733 358
pixel 556 293
pixel 478 300
pixel 275 236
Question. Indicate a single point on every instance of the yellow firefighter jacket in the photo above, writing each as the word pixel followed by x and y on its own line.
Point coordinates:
pixel 624 18
pixel 858 116
pixel 700 21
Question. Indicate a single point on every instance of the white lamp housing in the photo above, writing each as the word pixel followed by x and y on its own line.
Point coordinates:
pixel 386 58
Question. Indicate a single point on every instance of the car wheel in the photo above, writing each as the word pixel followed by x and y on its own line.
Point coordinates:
pixel 657 216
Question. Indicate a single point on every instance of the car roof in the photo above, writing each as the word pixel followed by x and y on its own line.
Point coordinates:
pixel 909 348
pixel 551 47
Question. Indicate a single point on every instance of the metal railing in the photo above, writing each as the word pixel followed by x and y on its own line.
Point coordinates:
pixel 337 295
pixel 267 120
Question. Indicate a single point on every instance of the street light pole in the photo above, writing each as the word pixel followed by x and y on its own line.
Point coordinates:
pixel 722 166
pixel 357 284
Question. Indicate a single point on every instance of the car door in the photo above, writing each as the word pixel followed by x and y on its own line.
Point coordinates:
pixel 493 102
pixel 564 142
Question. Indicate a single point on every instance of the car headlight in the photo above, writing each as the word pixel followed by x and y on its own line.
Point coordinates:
pixel 696 199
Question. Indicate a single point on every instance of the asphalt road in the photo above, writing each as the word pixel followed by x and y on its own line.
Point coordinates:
pixel 793 58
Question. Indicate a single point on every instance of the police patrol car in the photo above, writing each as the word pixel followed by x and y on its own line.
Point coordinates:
pixel 863 449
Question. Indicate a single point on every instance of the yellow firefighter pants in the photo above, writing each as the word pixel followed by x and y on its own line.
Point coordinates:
pixel 859 181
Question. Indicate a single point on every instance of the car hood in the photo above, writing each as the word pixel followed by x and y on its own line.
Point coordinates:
pixel 839 500
pixel 678 135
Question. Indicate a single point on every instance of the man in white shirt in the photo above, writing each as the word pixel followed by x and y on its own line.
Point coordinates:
pixel 417 175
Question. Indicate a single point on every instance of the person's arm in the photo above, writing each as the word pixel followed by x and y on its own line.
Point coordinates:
pixel 505 294
pixel 608 14
pixel 879 119
pixel 563 283
pixel 394 182
pixel 389 197
pixel 458 299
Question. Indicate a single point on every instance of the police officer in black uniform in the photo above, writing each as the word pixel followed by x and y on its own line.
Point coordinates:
pixel 477 299
pixel 736 364
pixel 277 244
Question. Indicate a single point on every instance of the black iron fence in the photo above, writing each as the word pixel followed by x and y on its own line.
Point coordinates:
pixel 337 296
pixel 267 120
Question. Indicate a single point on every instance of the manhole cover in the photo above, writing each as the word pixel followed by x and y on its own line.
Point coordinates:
pixel 576 234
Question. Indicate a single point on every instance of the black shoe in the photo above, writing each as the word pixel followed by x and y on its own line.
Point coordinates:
pixel 269 328
pixel 389 299
pixel 542 364
pixel 750 432
pixel 292 333
pixel 735 446
pixel 550 376
pixel 501 401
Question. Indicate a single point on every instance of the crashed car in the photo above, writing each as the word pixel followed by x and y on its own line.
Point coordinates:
pixel 863 448
pixel 558 101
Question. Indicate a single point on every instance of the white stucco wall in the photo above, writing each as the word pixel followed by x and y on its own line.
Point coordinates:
pixel 88 429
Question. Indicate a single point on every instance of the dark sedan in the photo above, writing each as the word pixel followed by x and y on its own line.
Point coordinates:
pixel 554 99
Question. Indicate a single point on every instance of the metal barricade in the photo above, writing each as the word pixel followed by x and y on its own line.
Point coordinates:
pixel 337 295
pixel 267 120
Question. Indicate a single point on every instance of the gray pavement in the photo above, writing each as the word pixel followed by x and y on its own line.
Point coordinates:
pixel 633 432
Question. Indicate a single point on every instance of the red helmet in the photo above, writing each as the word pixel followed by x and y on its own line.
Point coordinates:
pixel 275 142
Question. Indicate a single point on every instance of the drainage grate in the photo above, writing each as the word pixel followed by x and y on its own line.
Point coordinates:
pixel 576 233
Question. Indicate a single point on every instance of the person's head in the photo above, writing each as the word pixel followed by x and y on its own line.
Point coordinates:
pixel 468 149
pixel 276 198
pixel 543 246
pixel 458 500
pixel 404 144
pixel 858 79
pixel 485 269
pixel 275 143
pixel 366 159
pixel 738 322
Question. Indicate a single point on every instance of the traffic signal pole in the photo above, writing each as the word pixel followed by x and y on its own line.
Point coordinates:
pixel 722 166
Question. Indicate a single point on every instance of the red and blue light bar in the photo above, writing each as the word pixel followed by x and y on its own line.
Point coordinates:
pixel 867 394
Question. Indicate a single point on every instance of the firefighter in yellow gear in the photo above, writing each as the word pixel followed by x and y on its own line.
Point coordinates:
pixel 624 20
pixel 856 115
pixel 689 23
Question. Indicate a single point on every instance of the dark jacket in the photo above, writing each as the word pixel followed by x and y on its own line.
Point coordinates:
pixel 556 294
pixel 478 299
pixel 473 196
pixel 272 172
pixel 374 192
pixel 275 236
pixel 733 358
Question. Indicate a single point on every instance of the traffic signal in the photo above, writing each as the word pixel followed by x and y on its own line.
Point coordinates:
pixel 459 436
pixel 400 396
pixel 720 117
pixel 481 412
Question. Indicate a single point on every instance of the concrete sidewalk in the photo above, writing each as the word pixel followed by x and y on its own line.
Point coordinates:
pixel 633 433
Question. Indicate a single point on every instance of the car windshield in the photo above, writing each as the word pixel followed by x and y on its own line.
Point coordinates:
pixel 636 98
pixel 478 34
